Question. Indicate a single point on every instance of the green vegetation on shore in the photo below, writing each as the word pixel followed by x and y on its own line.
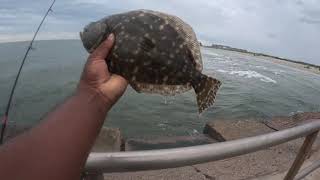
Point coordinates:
pixel 218 46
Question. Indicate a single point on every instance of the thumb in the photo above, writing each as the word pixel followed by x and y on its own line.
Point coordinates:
pixel 104 48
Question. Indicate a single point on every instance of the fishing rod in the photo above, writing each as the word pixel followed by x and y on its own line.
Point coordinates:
pixel 6 114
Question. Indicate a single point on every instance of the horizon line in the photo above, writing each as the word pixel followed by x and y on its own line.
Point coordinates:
pixel 77 38
pixel 50 39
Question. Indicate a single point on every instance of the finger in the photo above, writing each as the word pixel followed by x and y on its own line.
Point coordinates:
pixel 117 83
pixel 104 48
pixel 119 80
pixel 114 88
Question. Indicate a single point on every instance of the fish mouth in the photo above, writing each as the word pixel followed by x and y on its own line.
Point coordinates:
pixel 96 45
pixel 93 37
pixel 86 43
pixel 81 35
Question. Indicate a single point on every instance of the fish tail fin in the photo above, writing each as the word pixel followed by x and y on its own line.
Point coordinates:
pixel 206 89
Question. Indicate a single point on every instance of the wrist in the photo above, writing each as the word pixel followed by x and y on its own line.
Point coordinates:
pixel 92 97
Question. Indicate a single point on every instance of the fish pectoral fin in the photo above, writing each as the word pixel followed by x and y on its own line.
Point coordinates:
pixel 163 89
pixel 135 86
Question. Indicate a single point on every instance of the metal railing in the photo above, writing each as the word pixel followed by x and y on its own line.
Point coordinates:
pixel 99 163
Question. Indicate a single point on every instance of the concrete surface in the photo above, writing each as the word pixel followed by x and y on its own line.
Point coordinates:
pixel 252 165
pixel 267 164
pixel 283 122
pixel 109 140
pixel 230 130
pixel 315 175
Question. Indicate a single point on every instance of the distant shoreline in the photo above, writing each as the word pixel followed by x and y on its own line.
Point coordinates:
pixel 27 41
pixel 278 60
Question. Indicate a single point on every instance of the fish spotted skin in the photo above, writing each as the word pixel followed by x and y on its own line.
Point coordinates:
pixel 155 52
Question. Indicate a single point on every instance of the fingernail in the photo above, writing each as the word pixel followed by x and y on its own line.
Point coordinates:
pixel 111 37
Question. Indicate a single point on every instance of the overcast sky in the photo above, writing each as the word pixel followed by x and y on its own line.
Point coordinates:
pixel 287 28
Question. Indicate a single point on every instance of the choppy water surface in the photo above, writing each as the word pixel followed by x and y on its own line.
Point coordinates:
pixel 252 88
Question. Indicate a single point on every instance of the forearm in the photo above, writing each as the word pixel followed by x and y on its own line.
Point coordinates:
pixel 58 147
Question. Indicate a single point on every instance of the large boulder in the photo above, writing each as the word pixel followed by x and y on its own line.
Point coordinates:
pixel 283 122
pixel 224 130
pixel 167 142
pixel 109 140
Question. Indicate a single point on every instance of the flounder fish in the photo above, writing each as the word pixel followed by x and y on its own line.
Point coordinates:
pixel 156 53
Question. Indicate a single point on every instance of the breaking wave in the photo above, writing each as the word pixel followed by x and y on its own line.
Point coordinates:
pixel 250 74
pixel 212 53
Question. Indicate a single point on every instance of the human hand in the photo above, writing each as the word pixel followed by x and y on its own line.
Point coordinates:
pixel 98 80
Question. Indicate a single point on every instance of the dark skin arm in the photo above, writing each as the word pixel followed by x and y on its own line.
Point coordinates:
pixel 58 147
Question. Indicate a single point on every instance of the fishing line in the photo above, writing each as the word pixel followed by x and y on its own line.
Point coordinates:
pixel 6 115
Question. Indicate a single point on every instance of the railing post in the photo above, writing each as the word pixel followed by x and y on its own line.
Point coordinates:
pixel 303 173
pixel 301 156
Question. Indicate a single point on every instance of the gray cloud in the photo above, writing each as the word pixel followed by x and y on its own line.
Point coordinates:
pixel 280 27
pixel 310 12
pixel 310 20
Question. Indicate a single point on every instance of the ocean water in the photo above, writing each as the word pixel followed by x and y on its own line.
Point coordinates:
pixel 252 88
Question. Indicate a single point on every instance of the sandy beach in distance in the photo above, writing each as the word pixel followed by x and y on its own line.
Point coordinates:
pixel 302 67
pixel 292 64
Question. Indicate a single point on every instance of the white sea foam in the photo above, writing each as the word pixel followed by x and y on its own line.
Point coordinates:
pixel 219 58
pixel 222 71
pixel 194 132
pixel 212 54
pixel 253 74
pixel 261 67
pixel 249 74
pixel 278 72
pixel 295 112
pixel 161 125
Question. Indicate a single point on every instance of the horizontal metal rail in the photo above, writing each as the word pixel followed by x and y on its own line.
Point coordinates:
pixel 177 157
